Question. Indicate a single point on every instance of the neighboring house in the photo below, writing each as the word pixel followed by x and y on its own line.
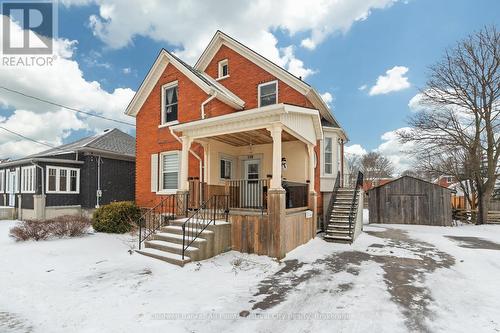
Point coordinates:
pixel 445 181
pixel 69 179
pixel 237 125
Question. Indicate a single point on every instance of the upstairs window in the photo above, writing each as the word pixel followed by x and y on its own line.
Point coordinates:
pixel 223 69
pixel 268 93
pixel 328 164
pixel 169 103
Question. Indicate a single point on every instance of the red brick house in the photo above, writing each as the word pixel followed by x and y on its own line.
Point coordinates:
pixel 239 131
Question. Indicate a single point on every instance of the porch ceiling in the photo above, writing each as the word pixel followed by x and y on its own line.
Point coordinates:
pixel 254 137
pixel 299 123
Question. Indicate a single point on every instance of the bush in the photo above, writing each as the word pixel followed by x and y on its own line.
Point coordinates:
pixel 59 227
pixel 117 217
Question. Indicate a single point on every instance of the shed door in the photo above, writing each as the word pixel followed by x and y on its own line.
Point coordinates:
pixel 408 209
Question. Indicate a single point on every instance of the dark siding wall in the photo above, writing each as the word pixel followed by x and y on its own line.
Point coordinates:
pixel 27 201
pixel 117 181
pixel 410 201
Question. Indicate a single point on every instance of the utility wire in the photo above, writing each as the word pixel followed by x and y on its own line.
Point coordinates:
pixel 27 138
pixel 65 107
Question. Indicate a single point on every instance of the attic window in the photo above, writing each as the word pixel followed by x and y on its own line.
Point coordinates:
pixel 169 104
pixel 268 93
pixel 223 69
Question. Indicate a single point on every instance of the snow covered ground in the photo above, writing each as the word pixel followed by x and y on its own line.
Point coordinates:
pixel 392 279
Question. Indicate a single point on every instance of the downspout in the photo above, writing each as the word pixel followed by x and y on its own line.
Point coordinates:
pixel 191 151
pixel 342 160
pixel 213 94
pixel 98 192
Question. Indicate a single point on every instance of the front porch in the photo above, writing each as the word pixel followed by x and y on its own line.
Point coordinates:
pixel 263 162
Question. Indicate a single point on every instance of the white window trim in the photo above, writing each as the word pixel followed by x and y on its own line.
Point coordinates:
pixel 233 166
pixel 219 72
pixel 323 160
pixel 161 190
pixel 58 179
pixel 162 113
pixel 275 82
pixel 2 181
pixel 25 188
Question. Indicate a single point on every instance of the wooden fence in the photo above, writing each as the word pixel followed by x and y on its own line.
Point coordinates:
pixel 470 216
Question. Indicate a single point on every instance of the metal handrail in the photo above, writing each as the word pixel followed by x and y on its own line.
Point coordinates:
pixel 359 184
pixel 335 190
pixel 154 218
pixel 215 208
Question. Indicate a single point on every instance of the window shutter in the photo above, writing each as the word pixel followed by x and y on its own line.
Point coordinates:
pixel 154 172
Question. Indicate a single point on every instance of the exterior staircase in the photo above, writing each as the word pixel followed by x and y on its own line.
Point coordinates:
pixel 338 228
pixel 166 244
pixel 202 235
pixel 340 225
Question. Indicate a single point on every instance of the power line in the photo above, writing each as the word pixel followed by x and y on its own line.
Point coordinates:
pixel 65 107
pixel 27 138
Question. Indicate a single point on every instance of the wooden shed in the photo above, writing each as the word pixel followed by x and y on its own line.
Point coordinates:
pixel 409 200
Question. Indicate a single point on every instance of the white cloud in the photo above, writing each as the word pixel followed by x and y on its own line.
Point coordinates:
pixel 396 151
pixel 251 22
pixel 415 103
pixel 355 149
pixel 363 87
pixel 327 97
pixel 63 82
pixel 393 80
pixel 127 70
pixel 391 148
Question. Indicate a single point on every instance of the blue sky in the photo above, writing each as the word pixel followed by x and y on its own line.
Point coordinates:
pixel 115 47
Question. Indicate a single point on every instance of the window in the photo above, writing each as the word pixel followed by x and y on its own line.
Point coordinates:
pixel 52 180
pixel 28 179
pixel 223 69
pixel 328 156
pixel 63 180
pixel 226 165
pixel 2 180
pixel 169 103
pixel 169 171
pixel 268 93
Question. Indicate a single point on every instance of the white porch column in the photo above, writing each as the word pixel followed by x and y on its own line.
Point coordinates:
pixel 276 134
pixel 310 151
pixel 186 145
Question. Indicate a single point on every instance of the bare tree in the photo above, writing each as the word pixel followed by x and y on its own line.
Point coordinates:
pixel 375 165
pixel 459 126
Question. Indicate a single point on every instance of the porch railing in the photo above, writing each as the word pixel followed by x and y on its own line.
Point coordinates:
pixel 333 197
pixel 214 209
pixel 353 211
pixel 152 219
pixel 296 194
pixel 247 193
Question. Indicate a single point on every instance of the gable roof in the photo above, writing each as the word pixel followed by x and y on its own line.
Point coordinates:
pixel 411 177
pixel 221 38
pixel 201 79
pixel 112 141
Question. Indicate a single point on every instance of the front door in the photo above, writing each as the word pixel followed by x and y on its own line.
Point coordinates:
pixel 252 188
pixel 12 189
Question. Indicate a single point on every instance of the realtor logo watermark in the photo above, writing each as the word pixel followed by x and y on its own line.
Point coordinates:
pixel 28 32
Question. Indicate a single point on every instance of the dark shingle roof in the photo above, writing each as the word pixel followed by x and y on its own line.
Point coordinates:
pixel 113 141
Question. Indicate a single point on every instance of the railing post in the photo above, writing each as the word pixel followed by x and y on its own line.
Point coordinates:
pixel 183 240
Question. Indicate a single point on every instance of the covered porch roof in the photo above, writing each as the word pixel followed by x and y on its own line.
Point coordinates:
pixel 253 126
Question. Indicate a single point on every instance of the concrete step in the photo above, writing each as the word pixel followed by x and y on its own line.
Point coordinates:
pixel 177 239
pixel 338 239
pixel 165 256
pixel 175 229
pixel 171 247
pixel 338 226
pixel 338 233
pixel 180 222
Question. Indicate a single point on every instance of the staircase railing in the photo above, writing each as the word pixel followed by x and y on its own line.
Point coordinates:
pixel 332 200
pixel 215 208
pixel 352 212
pixel 167 209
